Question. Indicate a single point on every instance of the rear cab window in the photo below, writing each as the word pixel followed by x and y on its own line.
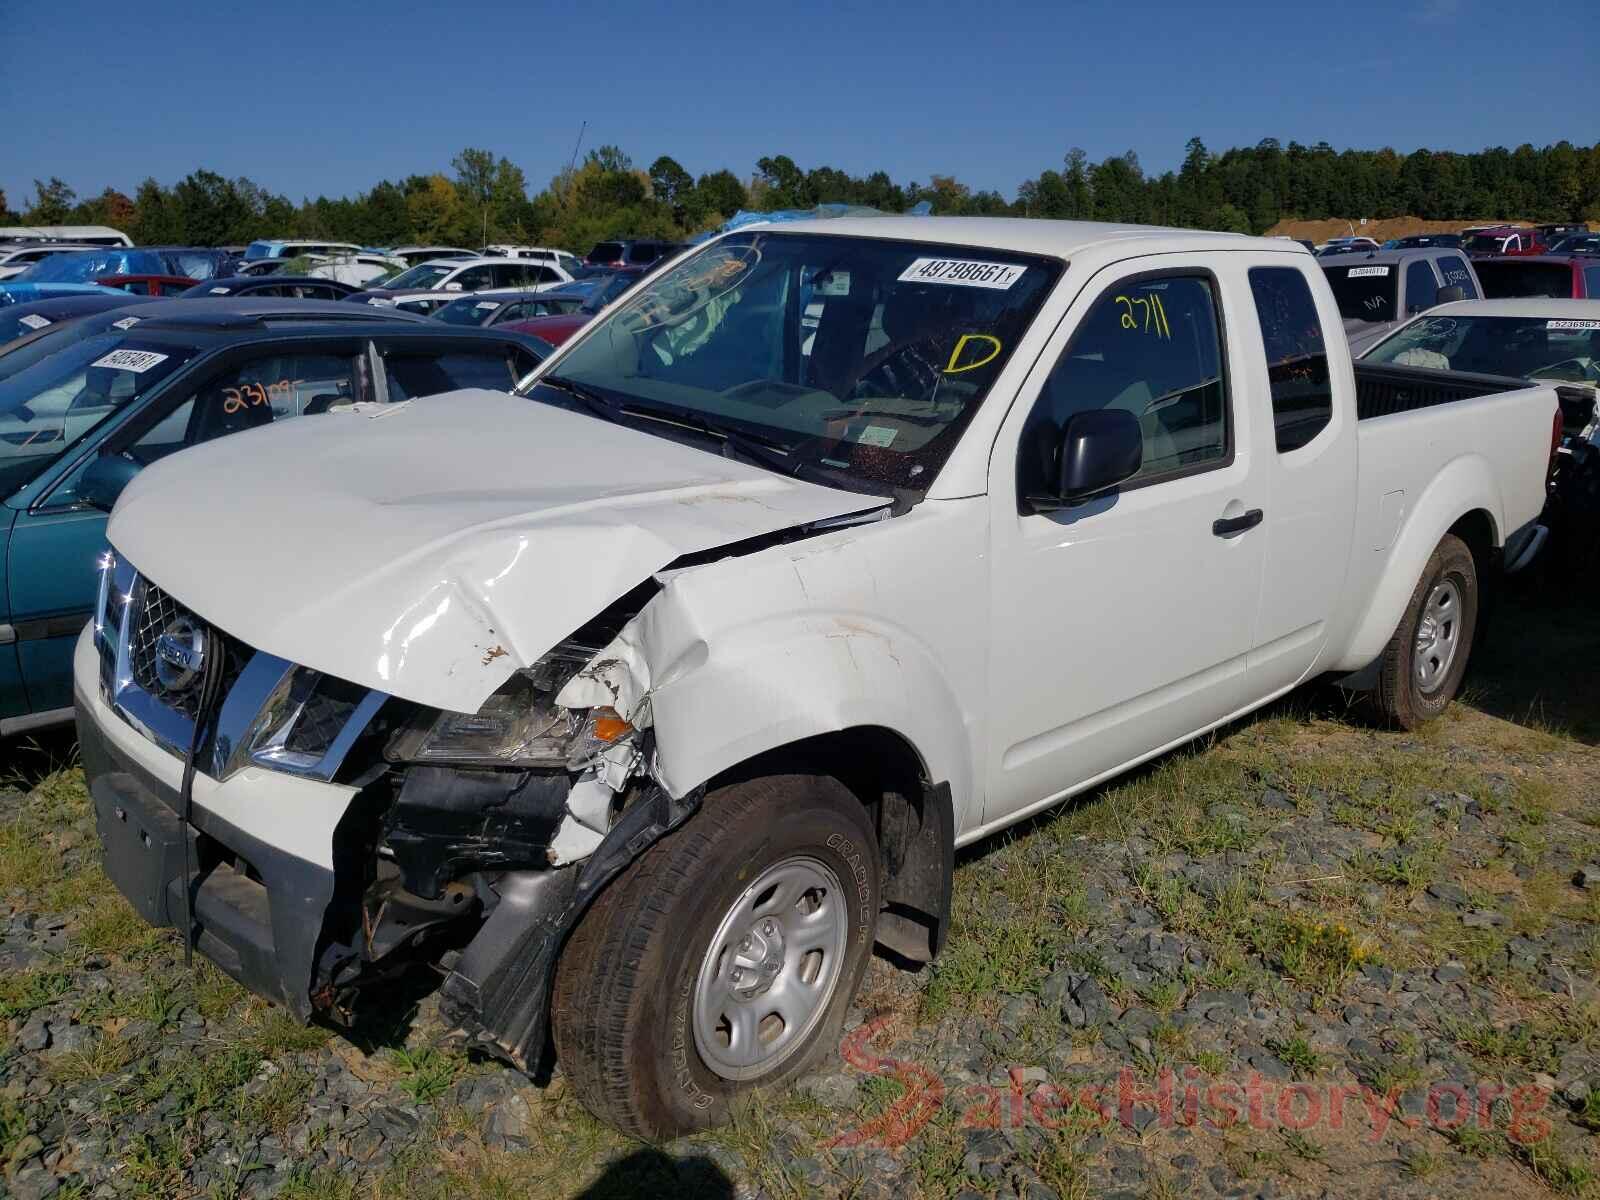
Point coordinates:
pixel 1364 291
pixel 1296 354
pixel 1453 270
pixel 1422 289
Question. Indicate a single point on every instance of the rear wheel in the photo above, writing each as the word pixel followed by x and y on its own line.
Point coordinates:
pixel 1421 668
pixel 723 959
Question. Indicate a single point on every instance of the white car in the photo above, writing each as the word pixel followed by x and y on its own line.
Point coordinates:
pixel 412 255
pixel 358 270
pixel 658 693
pixel 568 262
pixel 18 257
pixel 466 275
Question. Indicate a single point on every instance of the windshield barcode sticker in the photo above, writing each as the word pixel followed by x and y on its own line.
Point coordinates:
pixel 33 321
pixel 487 305
pixel 1362 272
pixel 1572 326
pixel 137 361
pixel 963 272
pixel 125 323
pixel 220 291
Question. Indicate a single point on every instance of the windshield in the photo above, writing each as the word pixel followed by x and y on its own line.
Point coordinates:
pixel 257 250
pixel 421 277
pixel 1364 292
pixel 1559 348
pixel 606 252
pixel 85 266
pixel 854 357
pixel 57 398
pixel 1490 242
pixel 1511 277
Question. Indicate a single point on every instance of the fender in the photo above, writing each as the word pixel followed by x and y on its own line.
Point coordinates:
pixel 1463 485
pixel 751 654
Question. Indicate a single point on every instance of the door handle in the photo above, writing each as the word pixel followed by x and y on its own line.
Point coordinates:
pixel 1228 526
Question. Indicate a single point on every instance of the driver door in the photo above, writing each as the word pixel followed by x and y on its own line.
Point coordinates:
pixel 1123 624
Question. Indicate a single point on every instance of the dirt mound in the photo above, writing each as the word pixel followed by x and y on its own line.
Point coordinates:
pixel 1382 230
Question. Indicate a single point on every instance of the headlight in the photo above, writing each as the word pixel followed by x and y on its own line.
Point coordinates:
pixel 520 725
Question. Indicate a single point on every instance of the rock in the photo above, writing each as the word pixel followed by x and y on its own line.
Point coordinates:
pixel 1273 798
pixel 834 1090
pixel 1450 972
pixel 35 1035
pixel 71 1039
pixel 1482 919
pixel 27 1148
pixel 1588 876
pixel 33 1183
pixel 1448 893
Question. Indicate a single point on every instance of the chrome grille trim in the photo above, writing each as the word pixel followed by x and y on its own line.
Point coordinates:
pixel 254 726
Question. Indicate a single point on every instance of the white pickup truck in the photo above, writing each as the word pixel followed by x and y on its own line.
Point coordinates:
pixel 645 701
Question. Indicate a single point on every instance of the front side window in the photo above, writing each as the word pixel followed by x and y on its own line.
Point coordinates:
pixel 1364 292
pixel 422 277
pixel 1297 358
pixel 1153 348
pixel 413 373
pixel 1422 290
pixel 1591 282
pixel 474 278
pixel 863 358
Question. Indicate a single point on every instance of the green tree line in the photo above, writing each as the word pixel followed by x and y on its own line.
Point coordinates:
pixel 486 197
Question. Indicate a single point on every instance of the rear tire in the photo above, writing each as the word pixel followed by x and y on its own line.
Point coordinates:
pixel 667 994
pixel 1422 666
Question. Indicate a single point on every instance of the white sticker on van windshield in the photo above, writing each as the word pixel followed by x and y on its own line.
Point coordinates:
pixel 963 272
pixel 877 435
pixel 487 305
pixel 137 361
pixel 1573 326
pixel 33 321
pixel 125 323
pixel 1359 272
pixel 220 291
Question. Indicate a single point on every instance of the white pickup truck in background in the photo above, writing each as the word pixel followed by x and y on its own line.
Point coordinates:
pixel 647 700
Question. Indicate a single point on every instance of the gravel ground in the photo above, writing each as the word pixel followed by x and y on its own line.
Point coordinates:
pixel 1304 917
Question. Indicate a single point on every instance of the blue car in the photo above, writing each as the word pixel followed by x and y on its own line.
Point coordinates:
pixel 67 274
pixel 79 421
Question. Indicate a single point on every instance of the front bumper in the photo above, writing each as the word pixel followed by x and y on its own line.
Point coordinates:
pixel 260 848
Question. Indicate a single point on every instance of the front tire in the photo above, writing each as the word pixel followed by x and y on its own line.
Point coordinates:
pixel 723 959
pixel 1422 666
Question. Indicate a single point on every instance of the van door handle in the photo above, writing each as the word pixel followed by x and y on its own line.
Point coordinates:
pixel 1228 526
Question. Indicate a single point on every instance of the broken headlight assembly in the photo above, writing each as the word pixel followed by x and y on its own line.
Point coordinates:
pixel 520 725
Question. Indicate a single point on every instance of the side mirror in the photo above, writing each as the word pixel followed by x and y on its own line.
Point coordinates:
pixel 102 480
pixel 1099 449
pixel 1449 295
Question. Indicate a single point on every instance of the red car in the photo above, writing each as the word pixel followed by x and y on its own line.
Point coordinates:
pixel 1553 276
pixel 149 285
pixel 557 329
pixel 1504 239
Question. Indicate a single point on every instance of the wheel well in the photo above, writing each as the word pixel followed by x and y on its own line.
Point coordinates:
pixel 912 815
pixel 1476 529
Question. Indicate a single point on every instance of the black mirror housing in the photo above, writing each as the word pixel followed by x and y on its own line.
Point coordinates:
pixel 1099 449
pixel 1449 295
pixel 102 480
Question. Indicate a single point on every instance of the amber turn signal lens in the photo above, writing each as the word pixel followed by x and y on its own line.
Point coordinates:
pixel 607 726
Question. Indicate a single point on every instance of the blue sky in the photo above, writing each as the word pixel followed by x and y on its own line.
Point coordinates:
pixel 329 97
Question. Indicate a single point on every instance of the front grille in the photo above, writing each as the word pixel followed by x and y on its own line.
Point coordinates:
pixel 153 612
pixel 327 710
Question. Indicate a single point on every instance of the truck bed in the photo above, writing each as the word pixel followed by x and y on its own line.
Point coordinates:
pixel 1385 389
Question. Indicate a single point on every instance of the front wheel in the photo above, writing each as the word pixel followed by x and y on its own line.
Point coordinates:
pixel 723 959
pixel 1421 668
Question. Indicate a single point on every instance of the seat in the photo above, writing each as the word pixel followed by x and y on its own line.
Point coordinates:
pixel 214 419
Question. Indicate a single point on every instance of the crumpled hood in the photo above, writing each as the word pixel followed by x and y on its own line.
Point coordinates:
pixel 431 548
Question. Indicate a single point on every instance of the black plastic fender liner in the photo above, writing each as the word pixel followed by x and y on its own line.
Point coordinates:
pixel 498 993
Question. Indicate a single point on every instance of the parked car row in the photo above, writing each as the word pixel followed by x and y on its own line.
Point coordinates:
pixel 1479 240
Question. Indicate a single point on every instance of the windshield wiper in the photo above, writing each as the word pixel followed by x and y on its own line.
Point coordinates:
pixel 592 401
pixel 770 454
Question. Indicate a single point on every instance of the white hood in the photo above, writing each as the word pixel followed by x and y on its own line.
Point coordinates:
pixel 429 549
